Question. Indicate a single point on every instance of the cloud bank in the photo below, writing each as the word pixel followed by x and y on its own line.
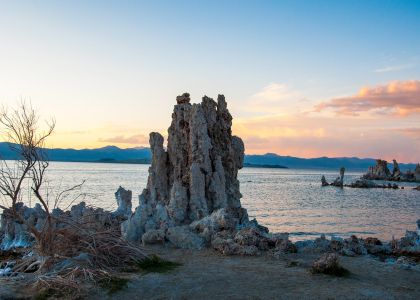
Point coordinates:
pixel 396 98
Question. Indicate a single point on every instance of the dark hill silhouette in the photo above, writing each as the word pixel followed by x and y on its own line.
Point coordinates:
pixel 114 154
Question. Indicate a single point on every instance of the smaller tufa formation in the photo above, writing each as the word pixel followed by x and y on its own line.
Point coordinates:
pixel 339 181
pixel 360 183
pixel 396 173
pixel 324 181
pixel 381 172
pixel 417 173
pixel 14 234
pixel 378 172
pixel 123 198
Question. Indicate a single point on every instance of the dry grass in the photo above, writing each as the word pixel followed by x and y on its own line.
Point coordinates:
pixel 89 250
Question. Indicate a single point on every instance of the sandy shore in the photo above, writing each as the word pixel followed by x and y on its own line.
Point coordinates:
pixel 208 275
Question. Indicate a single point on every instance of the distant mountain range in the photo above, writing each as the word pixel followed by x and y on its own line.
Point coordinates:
pixel 113 154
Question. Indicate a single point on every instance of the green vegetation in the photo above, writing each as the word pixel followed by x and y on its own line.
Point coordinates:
pixel 291 264
pixel 155 264
pixel 333 271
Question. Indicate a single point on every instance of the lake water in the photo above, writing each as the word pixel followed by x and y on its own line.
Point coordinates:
pixel 284 200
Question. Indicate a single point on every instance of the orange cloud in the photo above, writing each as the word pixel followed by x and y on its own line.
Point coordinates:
pixel 318 135
pixel 399 97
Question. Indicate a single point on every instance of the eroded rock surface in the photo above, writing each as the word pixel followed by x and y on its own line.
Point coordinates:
pixel 123 198
pixel 192 191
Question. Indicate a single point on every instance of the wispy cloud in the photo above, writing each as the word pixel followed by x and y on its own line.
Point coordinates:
pixel 276 92
pixel 138 139
pixel 274 98
pixel 411 132
pixel 394 68
pixel 398 98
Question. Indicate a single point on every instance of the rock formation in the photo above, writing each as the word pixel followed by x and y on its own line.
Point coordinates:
pixel 396 173
pixel 378 172
pixel 360 183
pixel 381 172
pixel 417 173
pixel 324 181
pixel 123 198
pixel 339 181
pixel 192 190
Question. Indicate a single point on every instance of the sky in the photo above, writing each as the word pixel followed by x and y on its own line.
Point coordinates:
pixel 302 78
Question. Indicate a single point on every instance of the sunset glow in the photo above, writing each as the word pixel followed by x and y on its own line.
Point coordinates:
pixel 301 79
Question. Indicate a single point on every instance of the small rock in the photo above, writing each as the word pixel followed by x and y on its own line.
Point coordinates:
pixel 155 236
pixel 328 264
pixel 286 246
pixel 183 237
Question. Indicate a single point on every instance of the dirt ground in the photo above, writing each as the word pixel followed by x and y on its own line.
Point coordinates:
pixel 208 275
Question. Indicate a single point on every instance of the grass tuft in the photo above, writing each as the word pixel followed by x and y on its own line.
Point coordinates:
pixel 334 271
pixel 155 264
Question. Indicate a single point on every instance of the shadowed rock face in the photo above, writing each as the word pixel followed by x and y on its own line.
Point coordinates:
pixel 196 175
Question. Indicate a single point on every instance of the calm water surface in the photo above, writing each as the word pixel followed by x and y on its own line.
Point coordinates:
pixel 283 200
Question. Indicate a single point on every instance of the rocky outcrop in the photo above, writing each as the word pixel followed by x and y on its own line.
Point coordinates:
pixel 123 198
pixel 378 172
pixel 368 184
pixel 14 234
pixel 360 183
pixel 417 173
pixel 339 181
pixel 324 181
pixel 396 173
pixel 192 191
pixel 409 245
pixel 381 172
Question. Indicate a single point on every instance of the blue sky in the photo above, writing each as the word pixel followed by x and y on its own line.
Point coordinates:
pixel 109 71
